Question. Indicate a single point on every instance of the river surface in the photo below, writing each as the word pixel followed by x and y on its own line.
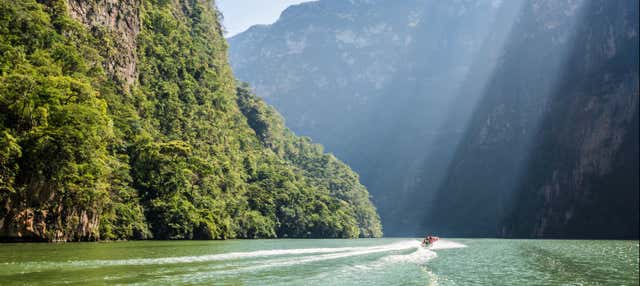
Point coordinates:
pixel 388 261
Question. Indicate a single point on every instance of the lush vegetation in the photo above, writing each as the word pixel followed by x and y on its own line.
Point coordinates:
pixel 180 154
pixel 323 171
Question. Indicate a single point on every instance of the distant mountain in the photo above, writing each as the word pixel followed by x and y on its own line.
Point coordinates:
pixel 479 118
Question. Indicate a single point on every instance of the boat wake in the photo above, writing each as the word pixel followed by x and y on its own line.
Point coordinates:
pixel 446 244
pixel 350 261
pixel 421 255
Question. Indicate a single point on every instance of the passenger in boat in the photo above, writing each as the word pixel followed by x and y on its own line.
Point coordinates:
pixel 427 241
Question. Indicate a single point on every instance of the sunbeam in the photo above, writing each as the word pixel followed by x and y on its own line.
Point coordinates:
pixel 496 141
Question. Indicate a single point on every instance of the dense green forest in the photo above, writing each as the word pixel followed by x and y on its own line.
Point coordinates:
pixel 178 152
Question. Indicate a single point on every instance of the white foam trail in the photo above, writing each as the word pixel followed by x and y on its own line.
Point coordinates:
pixel 284 262
pixel 420 256
pixel 446 244
pixel 221 257
pixel 433 278
pixel 29 267
pixel 404 245
pixel 300 256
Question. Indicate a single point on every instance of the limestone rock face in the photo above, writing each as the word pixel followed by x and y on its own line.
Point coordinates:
pixel 120 19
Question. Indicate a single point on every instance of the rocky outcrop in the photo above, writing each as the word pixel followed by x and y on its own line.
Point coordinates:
pixel 118 22
pixel 45 219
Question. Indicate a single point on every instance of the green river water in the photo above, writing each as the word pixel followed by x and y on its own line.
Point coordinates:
pixel 388 261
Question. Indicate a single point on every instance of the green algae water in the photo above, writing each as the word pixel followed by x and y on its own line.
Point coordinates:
pixel 323 262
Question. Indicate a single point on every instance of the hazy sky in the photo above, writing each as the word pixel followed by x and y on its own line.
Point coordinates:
pixel 242 14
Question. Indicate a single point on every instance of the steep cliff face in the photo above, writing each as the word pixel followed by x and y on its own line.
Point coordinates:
pixel 582 177
pixel 323 48
pixel 543 154
pixel 484 118
pixel 490 160
pixel 121 120
pixel 118 20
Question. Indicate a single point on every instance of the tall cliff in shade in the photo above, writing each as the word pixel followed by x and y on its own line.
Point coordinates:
pixel 582 175
pixel 122 120
pixel 552 146
pixel 479 118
